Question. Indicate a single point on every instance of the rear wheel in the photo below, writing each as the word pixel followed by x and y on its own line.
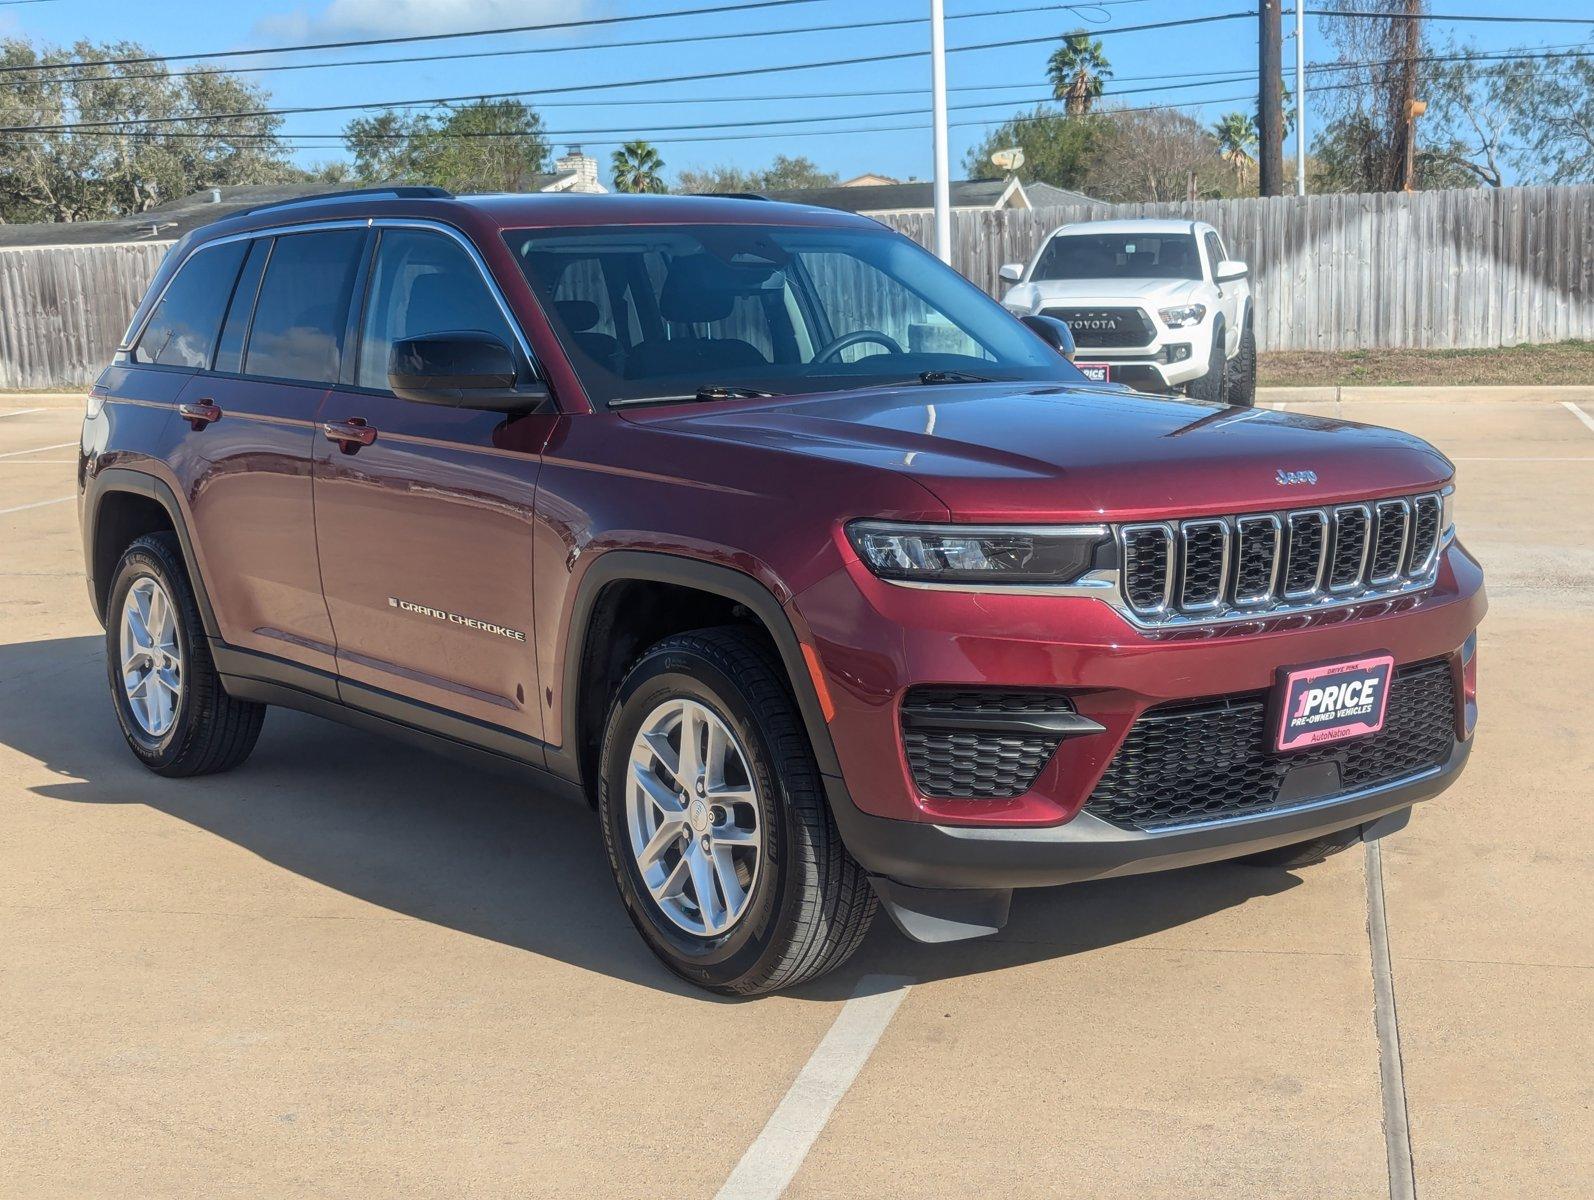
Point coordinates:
pixel 716 824
pixel 174 713
pixel 1305 854
pixel 1210 387
pixel 1242 371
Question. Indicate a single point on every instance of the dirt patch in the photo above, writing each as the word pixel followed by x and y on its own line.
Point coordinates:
pixel 1556 363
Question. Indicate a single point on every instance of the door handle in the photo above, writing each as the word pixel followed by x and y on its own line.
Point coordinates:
pixel 199 413
pixel 350 435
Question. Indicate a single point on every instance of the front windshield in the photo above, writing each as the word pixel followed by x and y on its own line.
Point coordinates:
pixel 1119 256
pixel 654 311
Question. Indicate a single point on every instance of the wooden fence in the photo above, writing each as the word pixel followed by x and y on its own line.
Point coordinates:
pixel 1476 268
pixel 1479 268
pixel 64 308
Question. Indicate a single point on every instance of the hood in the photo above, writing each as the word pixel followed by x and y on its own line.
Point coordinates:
pixel 1100 291
pixel 1057 453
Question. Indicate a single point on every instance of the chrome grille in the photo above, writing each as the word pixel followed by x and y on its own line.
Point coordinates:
pixel 1425 517
pixel 1148 567
pixel 1303 568
pixel 1348 560
pixel 1217 568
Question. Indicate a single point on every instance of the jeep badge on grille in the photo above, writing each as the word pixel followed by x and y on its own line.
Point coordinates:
pixel 1286 478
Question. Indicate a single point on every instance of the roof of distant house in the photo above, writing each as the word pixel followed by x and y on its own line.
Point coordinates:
pixel 920 195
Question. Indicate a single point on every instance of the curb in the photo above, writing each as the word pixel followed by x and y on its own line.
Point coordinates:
pixel 1494 394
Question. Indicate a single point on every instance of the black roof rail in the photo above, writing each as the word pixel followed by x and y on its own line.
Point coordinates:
pixel 417 192
pixel 733 196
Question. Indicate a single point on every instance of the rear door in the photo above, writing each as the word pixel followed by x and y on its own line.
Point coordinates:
pixel 424 512
pixel 246 469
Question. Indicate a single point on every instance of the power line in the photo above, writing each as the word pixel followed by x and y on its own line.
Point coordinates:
pixel 533 50
pixel 544 27
pixel 740 72
pixel 1468 17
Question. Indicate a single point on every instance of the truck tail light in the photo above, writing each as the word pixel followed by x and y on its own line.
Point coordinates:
pixel 1469 686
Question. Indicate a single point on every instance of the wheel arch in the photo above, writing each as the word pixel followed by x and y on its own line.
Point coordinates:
pixel 588 677
pixel 121 504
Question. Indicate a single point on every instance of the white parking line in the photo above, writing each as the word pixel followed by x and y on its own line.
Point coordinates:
pixel 36 450
pixel 36 504
pixel 20 412
pixel 773 1158
pixel 1578 413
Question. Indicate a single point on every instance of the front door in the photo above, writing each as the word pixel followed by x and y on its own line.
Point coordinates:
pixel 424 515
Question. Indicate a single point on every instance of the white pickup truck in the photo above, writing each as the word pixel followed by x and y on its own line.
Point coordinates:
pixel 1158 305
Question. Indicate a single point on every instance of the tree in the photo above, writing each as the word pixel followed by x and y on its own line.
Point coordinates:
pixel 1057 148
pixel 637 167
pixel 1154 155
pixel 1551 102
pixel 91 174
pixel 1364 130
pixel 784 174
pixel 483 146
pixel 1077 69
pixel 1237 140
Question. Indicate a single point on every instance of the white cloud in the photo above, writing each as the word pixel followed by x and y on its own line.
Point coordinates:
pixel 386 18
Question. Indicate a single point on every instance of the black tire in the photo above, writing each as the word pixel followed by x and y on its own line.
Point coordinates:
pixel 1305 854
pixel 210 731
pixel 1211 387
pixel 811 904
pixel 1242 370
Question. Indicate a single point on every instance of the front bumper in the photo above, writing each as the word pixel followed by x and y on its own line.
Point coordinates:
pixel 934 856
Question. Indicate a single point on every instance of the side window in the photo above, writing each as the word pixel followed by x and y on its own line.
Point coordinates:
pixel 303 306
pixel 422 283
pixel 182 329
pixel 230 349
pixel 1214 253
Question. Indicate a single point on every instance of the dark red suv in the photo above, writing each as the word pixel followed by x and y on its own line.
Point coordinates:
pixel 825 579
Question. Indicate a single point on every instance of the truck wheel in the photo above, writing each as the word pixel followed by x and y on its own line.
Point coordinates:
pixel 174 713
pixel 1210 387
pixel 1305 854
pixel 716 824
pixel 1242 371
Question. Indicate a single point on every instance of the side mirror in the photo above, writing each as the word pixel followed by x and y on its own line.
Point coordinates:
pixel 1230 269
pixel 463 369
pixel 1011 272
pixel 1053 332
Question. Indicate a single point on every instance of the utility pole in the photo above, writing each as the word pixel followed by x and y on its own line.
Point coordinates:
pixel 1269 77
pixel 943 183
pixel 1300 97
pixel 1410 107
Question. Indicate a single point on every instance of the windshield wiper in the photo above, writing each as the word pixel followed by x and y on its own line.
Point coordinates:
pixel 952 377
pixel 703 395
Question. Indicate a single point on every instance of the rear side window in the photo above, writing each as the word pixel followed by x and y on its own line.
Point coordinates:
pixel 230 350
pixel 297 332
pixel 182 329
pixel 422 283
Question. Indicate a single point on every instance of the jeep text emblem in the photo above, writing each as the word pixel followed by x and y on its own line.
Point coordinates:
pixel 1286 478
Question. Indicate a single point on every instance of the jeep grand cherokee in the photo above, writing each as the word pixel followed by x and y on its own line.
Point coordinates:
pixel 821 576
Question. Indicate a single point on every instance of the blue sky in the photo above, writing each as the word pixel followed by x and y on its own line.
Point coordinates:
pixel 999 80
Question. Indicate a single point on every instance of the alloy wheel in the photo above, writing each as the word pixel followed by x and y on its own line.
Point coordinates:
pixel 692 816
pixel 152 661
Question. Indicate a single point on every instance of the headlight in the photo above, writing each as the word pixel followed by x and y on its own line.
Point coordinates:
pixel 1184 314
pixel 978 553
pixel 1447 513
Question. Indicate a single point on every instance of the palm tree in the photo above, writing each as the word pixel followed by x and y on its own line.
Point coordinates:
pixel 637 167
pixel 1076 69
pixel 1237 140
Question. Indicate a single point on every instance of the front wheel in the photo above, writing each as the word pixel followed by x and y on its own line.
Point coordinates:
pixel 717 829
pixel 1305 854
pixel 1211 386
pixel 1242 371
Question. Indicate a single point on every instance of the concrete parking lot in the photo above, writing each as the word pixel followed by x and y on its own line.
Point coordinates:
pixel 349 969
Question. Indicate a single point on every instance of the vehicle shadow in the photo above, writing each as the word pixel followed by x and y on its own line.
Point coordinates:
pixel 471 850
